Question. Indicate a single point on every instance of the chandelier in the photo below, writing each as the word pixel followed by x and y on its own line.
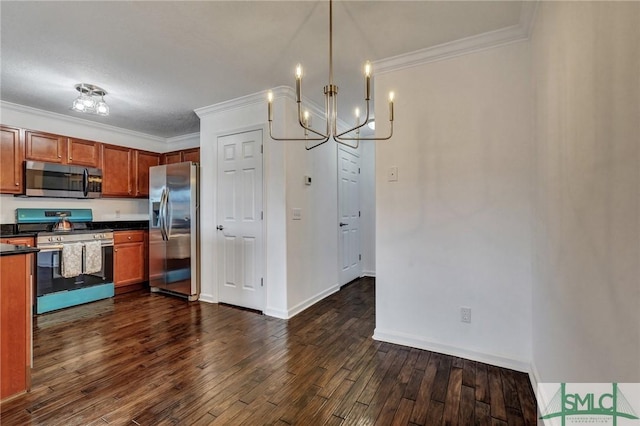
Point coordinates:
pixel 350 137
pixel 90 100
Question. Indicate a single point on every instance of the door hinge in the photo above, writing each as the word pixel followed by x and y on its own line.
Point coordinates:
pixel 262 215
pixel 261 282
pixel 261 149
pixel 359 257
pixel 359 213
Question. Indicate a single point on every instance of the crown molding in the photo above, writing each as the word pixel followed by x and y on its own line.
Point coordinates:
pixel 515 33
pixel 78 121
pixel 280 92
pixel 244 101
pixel 192 140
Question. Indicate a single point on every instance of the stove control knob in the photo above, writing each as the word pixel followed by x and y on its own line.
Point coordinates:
pixel 50 239
pixel 59 238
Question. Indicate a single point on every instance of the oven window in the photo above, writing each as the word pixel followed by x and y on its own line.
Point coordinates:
pixel 49 278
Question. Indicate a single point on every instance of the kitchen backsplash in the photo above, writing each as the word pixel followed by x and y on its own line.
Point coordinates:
pixel 104 209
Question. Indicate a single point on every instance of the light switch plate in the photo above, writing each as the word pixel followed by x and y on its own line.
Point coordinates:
pixel 296 213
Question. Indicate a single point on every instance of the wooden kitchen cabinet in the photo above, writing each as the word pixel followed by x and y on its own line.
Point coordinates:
pixel 19 241
pixel 83 153
pixel 40 146
pixel 172 157
pixel 130 259
pixel 143 161
pixel 192 154
pixel 11 159
pixel 15 326
pixel 117 176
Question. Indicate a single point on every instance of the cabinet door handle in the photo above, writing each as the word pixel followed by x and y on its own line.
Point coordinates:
pixel 59 155
pixel 115 249
pixel 129 238
pixel 17 184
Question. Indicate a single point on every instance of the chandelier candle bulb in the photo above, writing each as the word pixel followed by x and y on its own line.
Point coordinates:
pixel 390 106
pixel 270 101
pixel 306 123
pixel 298 83
pixel 367 80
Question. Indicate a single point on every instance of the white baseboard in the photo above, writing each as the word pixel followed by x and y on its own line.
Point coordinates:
pixel 311 301
pixel 276 313
pixel 420 343
pixel 371 274
pixel 207 298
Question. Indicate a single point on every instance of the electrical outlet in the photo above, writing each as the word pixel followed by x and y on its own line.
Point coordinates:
pixel 465 314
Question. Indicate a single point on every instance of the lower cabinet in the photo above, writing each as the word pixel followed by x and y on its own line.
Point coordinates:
pixel 19 241
pixel 130 260
pixel 15 324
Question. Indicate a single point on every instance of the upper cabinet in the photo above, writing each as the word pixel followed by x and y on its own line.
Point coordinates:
pixel 117 169
pixel 83 153
pixel 143 161
pixel 172 157
pixel 125 171
pixel 40 146
pixel 47 147
pixel 11 158
pixel 192 154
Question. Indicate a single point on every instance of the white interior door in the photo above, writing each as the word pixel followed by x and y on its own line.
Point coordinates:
pixel 239 213
pixel 350 263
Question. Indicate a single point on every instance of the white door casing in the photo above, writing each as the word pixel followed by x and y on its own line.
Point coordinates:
pixel 349 261
pixel 239 212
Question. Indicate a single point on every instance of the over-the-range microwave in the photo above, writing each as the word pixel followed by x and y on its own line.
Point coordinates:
pixel 62 180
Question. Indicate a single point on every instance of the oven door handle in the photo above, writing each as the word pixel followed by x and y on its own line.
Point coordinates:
pixel 60 246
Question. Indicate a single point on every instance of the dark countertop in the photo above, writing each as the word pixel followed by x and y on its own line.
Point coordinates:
pixel 127 225
pixel 10 249
pixel 9 230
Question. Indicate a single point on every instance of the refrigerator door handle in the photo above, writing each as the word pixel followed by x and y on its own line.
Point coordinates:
pixel 167 214
pixel 162 212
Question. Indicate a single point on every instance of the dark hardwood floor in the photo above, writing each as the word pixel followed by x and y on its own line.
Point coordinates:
pixel 148 359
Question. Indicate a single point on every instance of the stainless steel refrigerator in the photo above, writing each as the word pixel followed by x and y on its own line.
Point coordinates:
pixel 173 230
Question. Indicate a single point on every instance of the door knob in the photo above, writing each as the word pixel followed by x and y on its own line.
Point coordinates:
pixel 343 224
pixel 219 227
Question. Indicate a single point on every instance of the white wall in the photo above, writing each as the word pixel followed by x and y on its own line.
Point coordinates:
pixel 586 297
pixel 301 255
pixel 368 206
pixel 455 229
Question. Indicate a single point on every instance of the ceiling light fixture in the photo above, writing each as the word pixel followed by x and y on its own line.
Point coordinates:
pixel 86 101
pixel 331 107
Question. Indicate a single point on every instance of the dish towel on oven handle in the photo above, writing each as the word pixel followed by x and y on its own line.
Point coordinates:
pixel 92 257
pixel 71 260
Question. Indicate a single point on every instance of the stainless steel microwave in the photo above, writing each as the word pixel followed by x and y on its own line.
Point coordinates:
pixel 62 180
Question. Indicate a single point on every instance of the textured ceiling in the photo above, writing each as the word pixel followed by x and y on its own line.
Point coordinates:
pixel 161 60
